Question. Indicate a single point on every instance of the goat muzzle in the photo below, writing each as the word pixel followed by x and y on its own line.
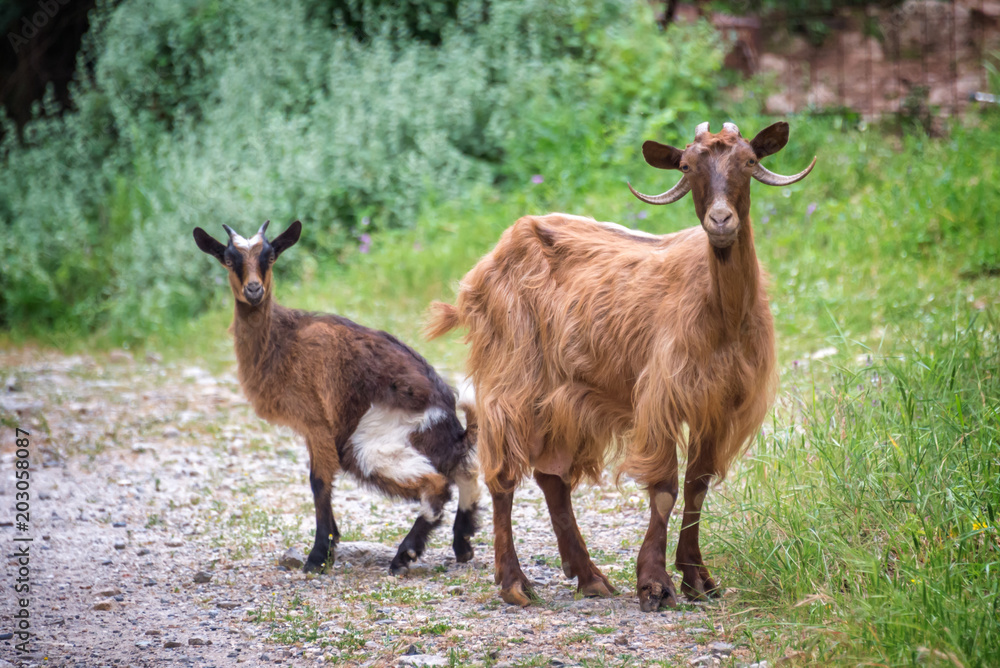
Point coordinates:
pixel 254 292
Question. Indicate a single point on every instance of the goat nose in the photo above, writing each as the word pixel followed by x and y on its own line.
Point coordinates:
pixel 721 218
pixel 253 291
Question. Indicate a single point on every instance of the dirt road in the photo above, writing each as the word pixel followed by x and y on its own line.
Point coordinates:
pixel 160 507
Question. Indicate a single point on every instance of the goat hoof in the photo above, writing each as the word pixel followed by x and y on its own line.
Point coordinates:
pixel 654 595
pixel 596 588
pixel 699 586
pixel 313 567
pixel 464 556
pixel 518 594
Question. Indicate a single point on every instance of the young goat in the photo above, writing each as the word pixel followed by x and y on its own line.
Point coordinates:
pixel 364 402
pixel 584 335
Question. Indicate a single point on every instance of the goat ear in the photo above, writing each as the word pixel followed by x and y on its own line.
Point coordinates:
pixel 661 156
pixel 207 243
pixel 286 239
pixel 770 140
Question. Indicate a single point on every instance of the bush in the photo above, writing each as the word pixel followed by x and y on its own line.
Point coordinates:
pixel 189 113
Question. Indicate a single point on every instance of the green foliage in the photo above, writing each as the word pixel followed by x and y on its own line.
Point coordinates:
pixel 195 113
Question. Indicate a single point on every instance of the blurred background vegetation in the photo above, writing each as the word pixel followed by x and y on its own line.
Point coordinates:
pixel 407 135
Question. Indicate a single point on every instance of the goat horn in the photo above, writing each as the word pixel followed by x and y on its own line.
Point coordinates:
pixel 230 231
pixel 262 229
pixel 768 177
pixel 701 129
pixel 731 127
pixel 668 197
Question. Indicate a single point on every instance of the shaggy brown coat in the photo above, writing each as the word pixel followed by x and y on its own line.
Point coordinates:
pixel 588 340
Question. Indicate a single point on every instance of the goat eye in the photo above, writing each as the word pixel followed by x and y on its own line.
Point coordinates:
pixel 751 162
pixel 684 168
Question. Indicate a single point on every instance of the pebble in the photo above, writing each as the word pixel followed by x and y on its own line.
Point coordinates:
pixel 154 632
pixel 104 606
pixel 423 660
pixel 143 551
pixel 119 546
pixel 119 525
pixel 174 543
pixel 171 644
pixel 720 648
pixel 199 641
pixel 227 605
pixel 108 592
pixel 202 577
pixel 292 559
pixel 143 644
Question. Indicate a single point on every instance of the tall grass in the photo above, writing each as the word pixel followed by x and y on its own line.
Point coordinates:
pixel 865 520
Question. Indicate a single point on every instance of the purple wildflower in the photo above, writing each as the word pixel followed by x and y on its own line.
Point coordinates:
pixel 366 221
pixel 642 215
pixel 366 243
pixel 811 209
pixel 537 178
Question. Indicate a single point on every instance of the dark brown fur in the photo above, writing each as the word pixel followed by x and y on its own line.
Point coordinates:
pixel 588 341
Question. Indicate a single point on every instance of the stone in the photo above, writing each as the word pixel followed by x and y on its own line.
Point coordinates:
pixel 108 592
pixel 104 606
pixel 365 553
pixel 423 660
pixel 198 642
pixel 143 644
pixel 119 546
pixel 292 559
pixel 202 577
pixel 143 551
pixel 720 648
pixel 154 632
pixel 227 605
pixel 171 644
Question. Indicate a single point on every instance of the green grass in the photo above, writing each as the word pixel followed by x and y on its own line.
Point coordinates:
pixel 865 520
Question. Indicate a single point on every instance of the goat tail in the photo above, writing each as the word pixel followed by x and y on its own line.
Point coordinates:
pixel 467 402
pixel 442 319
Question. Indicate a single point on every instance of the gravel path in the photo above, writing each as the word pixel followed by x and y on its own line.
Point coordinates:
pixel 160 507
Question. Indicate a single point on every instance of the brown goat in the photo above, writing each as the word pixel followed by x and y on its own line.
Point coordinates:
pixel 588 339
pixel 365 402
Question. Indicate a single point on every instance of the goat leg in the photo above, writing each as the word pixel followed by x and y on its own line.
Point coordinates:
pixel 433 498
pixel 515 588
pixel 696 583
pixel 466 517
pixel 654 585
pixel 327 535
pixel 576 562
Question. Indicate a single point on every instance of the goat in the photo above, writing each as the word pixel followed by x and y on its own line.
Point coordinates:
pixel 588 339
pixel 365 402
